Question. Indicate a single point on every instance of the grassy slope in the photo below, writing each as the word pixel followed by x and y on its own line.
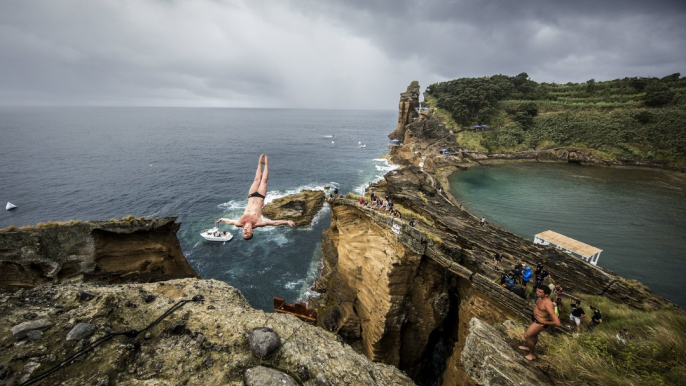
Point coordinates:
pixel 655 355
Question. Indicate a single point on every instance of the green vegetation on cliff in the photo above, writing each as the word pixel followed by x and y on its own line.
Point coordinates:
pixel 636 118
pixel 654 353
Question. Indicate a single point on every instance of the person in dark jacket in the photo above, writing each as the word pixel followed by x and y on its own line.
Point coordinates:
pixel 596 318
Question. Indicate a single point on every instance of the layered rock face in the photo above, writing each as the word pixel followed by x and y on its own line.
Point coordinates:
pixel 409 100
pixel 209 342
pixel 110 251
pixel 300 207
pixel 385 293
pixel 378 293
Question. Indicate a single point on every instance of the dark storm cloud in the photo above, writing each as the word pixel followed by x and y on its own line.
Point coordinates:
pixel 299 53
pixel 551 40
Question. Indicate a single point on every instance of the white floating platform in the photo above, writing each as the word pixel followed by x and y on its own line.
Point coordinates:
pixel 586 252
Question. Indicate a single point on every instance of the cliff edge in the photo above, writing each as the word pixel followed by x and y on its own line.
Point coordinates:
pixel 116 251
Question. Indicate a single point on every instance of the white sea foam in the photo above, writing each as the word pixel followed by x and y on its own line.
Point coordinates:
pixel 233 205
pixel 321 214
pixel 293 284
pixel 276 236
pixel 382 167
pixel 313 272
pixel 274 194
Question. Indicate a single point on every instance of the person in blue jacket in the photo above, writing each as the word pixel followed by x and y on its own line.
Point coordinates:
pixel 526 276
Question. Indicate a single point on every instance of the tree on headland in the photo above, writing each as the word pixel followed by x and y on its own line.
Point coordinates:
pixel 633 117
pixel 658 94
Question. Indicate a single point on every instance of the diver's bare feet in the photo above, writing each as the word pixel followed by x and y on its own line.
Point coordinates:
pixel 266 159
pixel 262 158
pixel 530 357
pixel 524 348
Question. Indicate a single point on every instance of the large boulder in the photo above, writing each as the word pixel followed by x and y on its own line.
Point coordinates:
pixel 489 360
pixel 300 207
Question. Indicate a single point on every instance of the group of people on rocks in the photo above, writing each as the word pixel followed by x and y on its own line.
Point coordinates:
pixel 548 303
pixel 385 204
pixel 378 203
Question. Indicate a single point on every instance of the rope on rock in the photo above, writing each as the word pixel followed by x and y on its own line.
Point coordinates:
pixel 130 334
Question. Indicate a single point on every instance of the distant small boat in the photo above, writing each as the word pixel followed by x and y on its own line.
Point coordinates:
pixel 214 234
pixel 10 206
pixel 359 142
pixel 332 142
pixel 363 146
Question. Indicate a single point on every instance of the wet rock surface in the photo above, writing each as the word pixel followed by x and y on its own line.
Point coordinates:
pixel 213 347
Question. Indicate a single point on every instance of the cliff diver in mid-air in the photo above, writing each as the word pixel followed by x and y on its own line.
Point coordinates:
pixel 252 217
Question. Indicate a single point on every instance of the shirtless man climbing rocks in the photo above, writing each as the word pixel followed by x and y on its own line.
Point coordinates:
pixel 543 316
pixel 252 216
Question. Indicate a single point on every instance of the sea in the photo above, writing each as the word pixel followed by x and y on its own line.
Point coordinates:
pixel 101 163
pixel 637 216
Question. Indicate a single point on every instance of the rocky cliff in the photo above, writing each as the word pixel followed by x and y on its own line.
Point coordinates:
pixel 215 340
pixel 128 250
pixel 70 311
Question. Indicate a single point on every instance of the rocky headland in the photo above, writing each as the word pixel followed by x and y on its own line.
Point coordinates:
pixel 415 297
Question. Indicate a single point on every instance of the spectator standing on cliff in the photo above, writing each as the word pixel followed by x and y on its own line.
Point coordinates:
pixel 483 221
pixel 596 318
pixel 497 258
pixel 252 216
pixel 558 306
pixel 543 316
pixel 558 291
pixel 577 314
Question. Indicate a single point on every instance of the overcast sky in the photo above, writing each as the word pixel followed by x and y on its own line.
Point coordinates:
pixel 314 54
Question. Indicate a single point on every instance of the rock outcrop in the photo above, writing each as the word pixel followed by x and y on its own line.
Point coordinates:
pixel 300 207
pixel 489 360
pixel 117 251
pixel 409 101
pixel 202 343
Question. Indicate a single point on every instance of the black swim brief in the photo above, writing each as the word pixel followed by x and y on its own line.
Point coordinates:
pixel 533 319
pixel 255 194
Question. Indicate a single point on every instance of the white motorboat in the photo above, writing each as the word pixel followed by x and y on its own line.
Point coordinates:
pixel 10 206
pixel 363 146
pixel 214 234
